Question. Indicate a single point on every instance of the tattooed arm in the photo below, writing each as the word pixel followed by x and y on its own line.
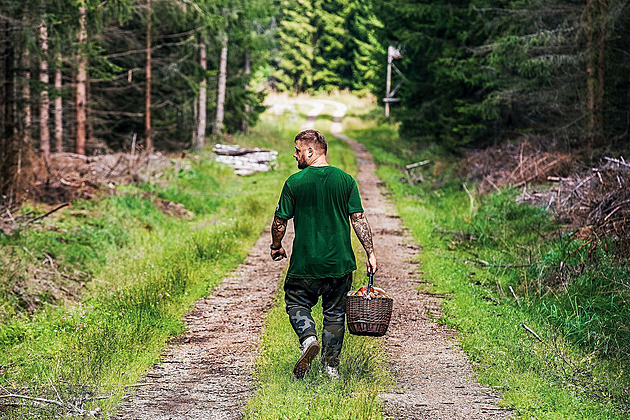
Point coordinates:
pixel 278 229
pixel 364 233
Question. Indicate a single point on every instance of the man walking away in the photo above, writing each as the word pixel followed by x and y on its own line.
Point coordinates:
pixel 323 201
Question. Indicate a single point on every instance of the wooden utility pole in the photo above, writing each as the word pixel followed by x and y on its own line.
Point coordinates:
pixel 218 124
pixel 392 53
pixel 147 105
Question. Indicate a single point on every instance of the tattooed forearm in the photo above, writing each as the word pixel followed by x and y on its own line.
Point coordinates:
pixel 363 231
pixel 278 229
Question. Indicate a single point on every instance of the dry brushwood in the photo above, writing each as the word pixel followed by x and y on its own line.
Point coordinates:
pixel 597 201
pixel 517 164
pixel 66 176
pixel 74 407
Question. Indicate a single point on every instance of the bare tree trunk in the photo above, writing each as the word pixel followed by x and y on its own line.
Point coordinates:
pixel 218 124
pixel 81 92
pixel 602 10
pixel 27 117
pixel 44 102
pixel 248 70
pixel 58 108
pixel 591 77
pixel 8 139
pixel 596 69
pixel 201 125
pixel 4 41
pixel 147 106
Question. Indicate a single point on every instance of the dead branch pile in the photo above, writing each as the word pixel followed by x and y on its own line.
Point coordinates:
pixel 67 176
pixel 518 164
pixel 245 161
pixel 597 200
pixel 593 200
pixel 29 284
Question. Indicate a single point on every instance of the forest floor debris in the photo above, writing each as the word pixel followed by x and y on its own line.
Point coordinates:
pixel 593 200
pixel 67 176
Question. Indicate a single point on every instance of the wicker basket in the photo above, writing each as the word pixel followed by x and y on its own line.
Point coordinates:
pixel 368 316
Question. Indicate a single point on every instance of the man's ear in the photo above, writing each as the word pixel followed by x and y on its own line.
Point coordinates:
pixel 310 151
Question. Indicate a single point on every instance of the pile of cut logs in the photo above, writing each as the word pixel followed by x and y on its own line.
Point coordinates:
pixel 245 161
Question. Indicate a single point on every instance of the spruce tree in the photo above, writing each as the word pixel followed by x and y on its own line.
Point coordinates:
pixel 333 46
pixel 296 51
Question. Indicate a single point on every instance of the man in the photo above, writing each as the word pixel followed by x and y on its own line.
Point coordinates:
pixel 323 201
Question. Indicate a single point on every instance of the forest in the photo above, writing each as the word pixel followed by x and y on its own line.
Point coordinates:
pixel 499 129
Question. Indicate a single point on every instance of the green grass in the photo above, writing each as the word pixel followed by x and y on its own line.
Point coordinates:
pixel 474 255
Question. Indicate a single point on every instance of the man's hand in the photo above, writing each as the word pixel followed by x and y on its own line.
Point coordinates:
pixel 371 264
pixel 278 229
pixel 278 254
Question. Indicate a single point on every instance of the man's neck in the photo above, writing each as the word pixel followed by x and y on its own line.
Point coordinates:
pixel 319 161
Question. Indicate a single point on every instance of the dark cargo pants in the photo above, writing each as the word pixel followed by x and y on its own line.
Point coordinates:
pixel 300 297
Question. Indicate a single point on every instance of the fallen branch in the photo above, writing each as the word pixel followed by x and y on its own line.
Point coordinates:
pixel 49 213
pixel 37 399
pixel 515 297
pixel 617 161
pixel 415 165
pixel 66 406
pixel 472 200
pixel 532 331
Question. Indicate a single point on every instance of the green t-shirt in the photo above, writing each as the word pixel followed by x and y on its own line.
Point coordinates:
pixel 320 200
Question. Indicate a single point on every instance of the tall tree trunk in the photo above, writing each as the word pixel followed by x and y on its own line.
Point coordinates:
pixel 248 70
pixel 601 71
pixel 8 139
pixel 147 105
pixel 44 102
pixel 201 125
pixel 81 89
pixel 218 124
pixel 628 115
pixel 25 100
pixel 595 69
pixel 58 108
pixel 591 77
pixel 3 89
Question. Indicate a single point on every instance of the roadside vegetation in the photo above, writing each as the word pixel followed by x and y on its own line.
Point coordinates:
pixel 542 314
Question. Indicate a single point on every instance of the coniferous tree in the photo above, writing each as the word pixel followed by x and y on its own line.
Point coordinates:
pixel 332 67
pixel 367 54
pixel 296 52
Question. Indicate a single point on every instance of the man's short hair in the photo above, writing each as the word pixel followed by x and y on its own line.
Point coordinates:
pixel 313 137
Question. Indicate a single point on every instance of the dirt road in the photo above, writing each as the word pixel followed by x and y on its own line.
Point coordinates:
pixel 206 373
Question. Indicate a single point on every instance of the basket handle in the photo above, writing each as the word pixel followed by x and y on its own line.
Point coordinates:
pixel 370 282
